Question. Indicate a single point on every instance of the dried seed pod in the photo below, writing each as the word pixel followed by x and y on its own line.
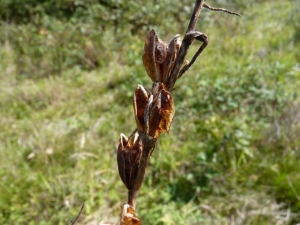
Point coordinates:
pixel 128 157
pixel 167 111
pixel 173 49
pixel 140 101
pixel 161 111
pixel 149 55
pixel 159 57
pixel 153 112
pixel 154 117
pixel 147 114
pixel 128 216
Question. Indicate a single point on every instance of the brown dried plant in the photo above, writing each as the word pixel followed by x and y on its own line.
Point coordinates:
pixel 154 110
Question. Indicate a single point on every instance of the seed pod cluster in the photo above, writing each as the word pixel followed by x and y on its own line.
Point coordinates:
pixel 153 110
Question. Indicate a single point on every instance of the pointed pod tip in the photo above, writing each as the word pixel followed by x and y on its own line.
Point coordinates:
pixel 175 38
pixel 135 138
pixel 123 139
pixel 140 87
pixel 152 31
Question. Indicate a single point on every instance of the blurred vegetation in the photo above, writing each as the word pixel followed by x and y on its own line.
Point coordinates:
pixel 68 71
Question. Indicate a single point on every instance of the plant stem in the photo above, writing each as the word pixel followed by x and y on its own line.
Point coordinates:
pixel 149 145
pixel 186 42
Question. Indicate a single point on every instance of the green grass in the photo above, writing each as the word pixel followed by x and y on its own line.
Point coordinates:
pixel 232 154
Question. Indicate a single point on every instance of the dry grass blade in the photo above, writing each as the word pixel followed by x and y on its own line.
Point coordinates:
pixel 74 221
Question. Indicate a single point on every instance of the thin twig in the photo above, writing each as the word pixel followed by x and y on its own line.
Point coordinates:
pixel 219 9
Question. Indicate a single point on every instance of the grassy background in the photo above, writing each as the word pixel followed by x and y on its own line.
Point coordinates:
pixel 67 77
